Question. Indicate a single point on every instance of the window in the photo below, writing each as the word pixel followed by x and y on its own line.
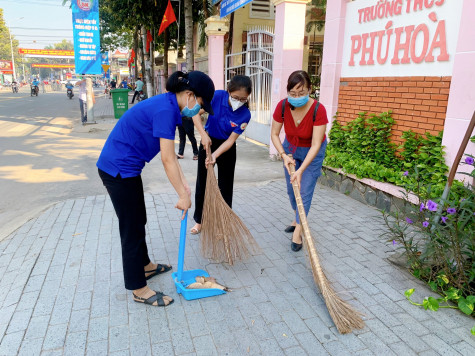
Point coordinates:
pixel 262 9
pixel 314 59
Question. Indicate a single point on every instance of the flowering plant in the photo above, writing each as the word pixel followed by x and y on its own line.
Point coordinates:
pixel 438 236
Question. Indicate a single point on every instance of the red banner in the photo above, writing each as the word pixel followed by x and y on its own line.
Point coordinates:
pixel 51 65
pixel 46 52
pixel 6 67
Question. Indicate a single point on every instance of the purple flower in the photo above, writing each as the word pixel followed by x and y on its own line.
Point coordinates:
pixel 432 206
pixel 451 211
pixel 394 243
pixel 406 173
pixel 409 221
pixel 469 160
pixel 425 223
pixel 444 219
pixel 422 207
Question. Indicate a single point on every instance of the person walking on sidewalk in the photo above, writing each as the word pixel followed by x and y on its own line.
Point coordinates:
pixel 187 129
pixel 82 99
pixel 231 116
pixel 138 88
pixel 140 134
pixel 305 121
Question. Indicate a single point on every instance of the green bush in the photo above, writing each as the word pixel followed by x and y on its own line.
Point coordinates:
pixel 363 148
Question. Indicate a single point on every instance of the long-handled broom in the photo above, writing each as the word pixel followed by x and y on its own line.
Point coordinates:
pixel 344 316
pixel 224 237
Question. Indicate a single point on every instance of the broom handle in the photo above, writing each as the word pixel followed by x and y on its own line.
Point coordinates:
pixel 461 150
pixel 302 216
pixel 181 249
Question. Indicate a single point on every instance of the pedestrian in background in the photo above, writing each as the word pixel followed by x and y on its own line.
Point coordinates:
pixel 123 85
pixel 187 129
pixel 140 134
pixel 82 99
pixel 305 121
pixel 112 85
pixel 222 129
pixel 138 88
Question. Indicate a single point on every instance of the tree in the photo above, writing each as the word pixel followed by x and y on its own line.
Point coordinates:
pixel 190 58
pixel 5 46
pixel 63 45
pixel 317 14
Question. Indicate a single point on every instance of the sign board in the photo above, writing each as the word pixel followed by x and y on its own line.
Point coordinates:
pixel 51 65
pixel 229 6
pixel 105 65
pixel 46 53
pixel 394 38
pixel 87 47
pixel 6 67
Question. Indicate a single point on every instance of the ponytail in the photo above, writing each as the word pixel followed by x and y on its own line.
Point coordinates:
pixel 178 82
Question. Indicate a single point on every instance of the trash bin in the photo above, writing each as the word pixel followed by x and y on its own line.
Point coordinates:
pixel 120 101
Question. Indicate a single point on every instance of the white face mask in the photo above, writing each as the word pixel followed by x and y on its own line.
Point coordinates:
pixel 235 104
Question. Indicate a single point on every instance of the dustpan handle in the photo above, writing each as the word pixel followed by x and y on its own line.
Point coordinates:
pixel 181 250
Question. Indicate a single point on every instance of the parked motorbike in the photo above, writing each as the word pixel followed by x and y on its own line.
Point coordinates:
pixel 141 96
pixel 34 90
pixel 69 93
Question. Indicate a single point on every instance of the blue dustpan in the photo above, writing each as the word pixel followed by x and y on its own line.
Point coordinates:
pixel 185 278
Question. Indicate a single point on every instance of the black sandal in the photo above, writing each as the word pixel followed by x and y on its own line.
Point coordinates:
pixel 290 228
pixel 158 297
pixel 159 270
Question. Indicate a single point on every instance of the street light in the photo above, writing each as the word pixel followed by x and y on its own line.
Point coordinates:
pixel 11 46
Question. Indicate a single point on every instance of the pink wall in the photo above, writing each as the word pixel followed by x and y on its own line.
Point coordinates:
pixel 288 48
pixel 332 56
pixel 461 103
pixel 462 89
pixel 216 60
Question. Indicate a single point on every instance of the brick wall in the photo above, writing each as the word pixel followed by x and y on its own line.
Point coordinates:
pixel 417 103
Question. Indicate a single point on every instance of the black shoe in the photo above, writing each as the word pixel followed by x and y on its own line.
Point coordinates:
pixel 295 246
pixel 290 228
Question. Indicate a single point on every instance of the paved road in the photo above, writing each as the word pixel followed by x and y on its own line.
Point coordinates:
pixel 47 157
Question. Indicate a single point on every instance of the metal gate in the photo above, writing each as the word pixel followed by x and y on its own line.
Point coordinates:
pixel 256 62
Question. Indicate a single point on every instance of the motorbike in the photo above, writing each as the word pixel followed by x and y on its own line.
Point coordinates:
pixel 69 93
pixel 141 96
pixel 15 88
pixel 34 90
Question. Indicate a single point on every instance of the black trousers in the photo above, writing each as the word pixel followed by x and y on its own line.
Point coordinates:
pixel 129 205
pixel 226 164
pixel 187 128
pixel 136 94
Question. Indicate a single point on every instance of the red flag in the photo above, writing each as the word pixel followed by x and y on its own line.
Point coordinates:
pixel 131 59
pixel 149 39
pixel 168 18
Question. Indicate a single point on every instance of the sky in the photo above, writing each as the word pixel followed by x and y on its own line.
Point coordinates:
pixel 44 21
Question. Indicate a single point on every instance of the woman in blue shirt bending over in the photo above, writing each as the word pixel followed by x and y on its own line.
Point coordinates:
pixel 230 118
pixel 142 132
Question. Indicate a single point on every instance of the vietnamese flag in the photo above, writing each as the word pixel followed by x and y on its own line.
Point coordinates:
pixel 149 40
pixel 168 18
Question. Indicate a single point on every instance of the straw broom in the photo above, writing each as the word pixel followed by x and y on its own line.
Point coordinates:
pixel 224 237
pixel 344 316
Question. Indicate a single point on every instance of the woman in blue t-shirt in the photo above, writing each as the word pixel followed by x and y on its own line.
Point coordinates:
pixel 142 132
pixel 231 116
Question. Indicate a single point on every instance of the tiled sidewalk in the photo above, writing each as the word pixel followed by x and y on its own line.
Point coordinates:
pixel 61 287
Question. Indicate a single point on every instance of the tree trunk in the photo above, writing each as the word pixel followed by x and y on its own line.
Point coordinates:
pixel 229 44
pixel 166 45
pixel 190 60
pixel 148 67
pixel 152 60
pixel 136 50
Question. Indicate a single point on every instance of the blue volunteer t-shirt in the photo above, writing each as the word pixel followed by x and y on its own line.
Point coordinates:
pixel 225 121
pixel 135 139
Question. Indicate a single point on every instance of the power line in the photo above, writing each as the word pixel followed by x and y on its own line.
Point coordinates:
pixel 34 36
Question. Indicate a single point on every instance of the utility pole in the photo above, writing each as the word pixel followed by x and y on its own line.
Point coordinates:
pixel 11 47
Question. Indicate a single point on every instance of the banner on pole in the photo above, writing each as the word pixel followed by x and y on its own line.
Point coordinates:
pixel 6 67
pixel 87 45
pixel 229 6
pixel 46 53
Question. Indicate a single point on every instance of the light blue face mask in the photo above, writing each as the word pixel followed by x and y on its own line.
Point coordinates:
pixel 187 112
pixel 298 102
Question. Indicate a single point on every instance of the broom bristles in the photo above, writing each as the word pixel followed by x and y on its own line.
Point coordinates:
pixel 345 317
pixel 224 237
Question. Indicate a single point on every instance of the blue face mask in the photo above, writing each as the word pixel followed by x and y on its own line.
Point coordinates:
pixel 187 112
pixel 298 102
